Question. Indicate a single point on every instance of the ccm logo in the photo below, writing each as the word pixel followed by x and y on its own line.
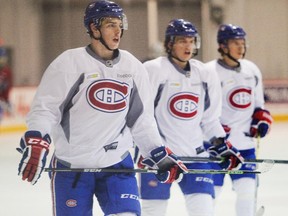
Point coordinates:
pixel 240 98
pixel 183 105
pixel 37 141
pixel 204 179
pixel 107 95
pixel 129 196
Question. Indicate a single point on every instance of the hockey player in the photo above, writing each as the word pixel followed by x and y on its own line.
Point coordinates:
pixel 186 101
pixel 243 114
pixel 5 83
pixel 90 100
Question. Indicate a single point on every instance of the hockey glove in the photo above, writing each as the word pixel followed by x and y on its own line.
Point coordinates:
pixel 138 158
pixel 222 148
pixel 261 122
pixel 170 169
pixel 227 130
pixel 34 149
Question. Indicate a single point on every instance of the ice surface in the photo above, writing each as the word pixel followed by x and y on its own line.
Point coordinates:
pixel 21 198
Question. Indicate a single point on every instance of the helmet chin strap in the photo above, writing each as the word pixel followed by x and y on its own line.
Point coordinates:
pixel 102 41
pixel 172 56
pixel 105 44
pixel 175 57
pixel 232 58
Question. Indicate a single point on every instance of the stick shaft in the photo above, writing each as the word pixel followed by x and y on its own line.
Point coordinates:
pixel 208 159
pixel 190 171
pixel 93 170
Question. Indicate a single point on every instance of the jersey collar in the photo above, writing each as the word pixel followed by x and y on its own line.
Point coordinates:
pixel 108 63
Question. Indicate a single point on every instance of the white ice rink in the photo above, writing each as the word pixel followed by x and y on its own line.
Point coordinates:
pixel 20 198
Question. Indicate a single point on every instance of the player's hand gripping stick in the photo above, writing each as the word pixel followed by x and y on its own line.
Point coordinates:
pixel 222 148
pixel 169 168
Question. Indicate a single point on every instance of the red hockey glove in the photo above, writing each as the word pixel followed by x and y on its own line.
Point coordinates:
pixel 227 130
pixel 261 123
pixel 222 148
pixel 170 169
pixel 138 158
pixel 34 149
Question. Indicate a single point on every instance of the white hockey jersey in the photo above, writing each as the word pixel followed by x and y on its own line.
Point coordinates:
pixel 242 92
pixel 187 105
pixel 90 106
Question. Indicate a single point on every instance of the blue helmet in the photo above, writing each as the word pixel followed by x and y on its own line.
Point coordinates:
pixel 181 27
pixel 226 32
pixel 99 9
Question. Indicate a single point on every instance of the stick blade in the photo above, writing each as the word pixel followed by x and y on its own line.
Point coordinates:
pixel 260 211
pixel 266 165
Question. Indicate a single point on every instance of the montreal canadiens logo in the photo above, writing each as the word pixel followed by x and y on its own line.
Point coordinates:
pixel 240 98
pixel 107 95
pixel 71 203
pixel 183 105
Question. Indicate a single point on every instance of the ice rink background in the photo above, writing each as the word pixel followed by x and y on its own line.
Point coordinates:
pixel 21 198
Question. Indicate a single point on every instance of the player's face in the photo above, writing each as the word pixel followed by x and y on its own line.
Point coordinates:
pixel 111 29
pixel 183 47
pixel 236 48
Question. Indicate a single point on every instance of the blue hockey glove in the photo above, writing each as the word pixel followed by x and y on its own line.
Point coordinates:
pixel 34 149
pixel 261 123
pixel 222 148
pixel 170 169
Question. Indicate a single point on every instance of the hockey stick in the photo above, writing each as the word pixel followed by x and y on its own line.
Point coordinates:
pixel 190 171
pixel 260 211
pixel 219 160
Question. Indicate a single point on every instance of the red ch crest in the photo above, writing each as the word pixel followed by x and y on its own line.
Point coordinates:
pixel 107 95
pixel 71 203
pixel 183 105
pixel 240 98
